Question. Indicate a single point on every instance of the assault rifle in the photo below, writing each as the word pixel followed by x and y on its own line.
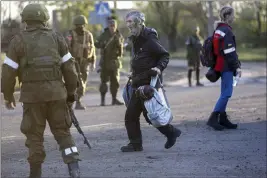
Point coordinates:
pixel 76 124
pixel 80 82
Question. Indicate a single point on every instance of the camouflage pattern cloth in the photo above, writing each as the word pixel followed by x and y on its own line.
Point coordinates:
pixel 40 58
pixel 81 45
pixel 111 46
pixel 193 51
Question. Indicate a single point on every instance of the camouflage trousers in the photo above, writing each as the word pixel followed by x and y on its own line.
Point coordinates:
pixel 33 125
pixel 84 69
pixel 112 76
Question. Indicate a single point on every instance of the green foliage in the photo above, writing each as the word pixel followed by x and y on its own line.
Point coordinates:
pixel 249 29
pixel 113 14
pixel 70 9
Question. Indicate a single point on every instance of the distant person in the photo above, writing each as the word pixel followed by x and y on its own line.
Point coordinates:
pixel 82 48
pixel 110 43
pixel 193 56
pixel 227 64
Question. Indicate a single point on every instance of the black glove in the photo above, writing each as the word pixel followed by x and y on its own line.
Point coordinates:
pixel 152 73
pixel 143 76
pixel 71 98
pixel 145 92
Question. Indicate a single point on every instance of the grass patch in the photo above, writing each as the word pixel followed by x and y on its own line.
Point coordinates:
pixel 252 54
pixel 179 54
pixel 244 54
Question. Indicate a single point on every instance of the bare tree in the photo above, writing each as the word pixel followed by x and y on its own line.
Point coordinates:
pixel 168 14
pixel 3 10
pixel 258 6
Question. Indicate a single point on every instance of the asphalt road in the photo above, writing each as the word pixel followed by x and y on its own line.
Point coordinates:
pixel 199 152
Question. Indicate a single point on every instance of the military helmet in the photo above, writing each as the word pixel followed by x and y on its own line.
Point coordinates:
pixel 80 20
pixel 36 12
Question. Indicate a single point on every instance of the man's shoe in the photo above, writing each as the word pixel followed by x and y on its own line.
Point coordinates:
pixel 172 140
pixel 199 84
pixel 117 102
pixel 132 147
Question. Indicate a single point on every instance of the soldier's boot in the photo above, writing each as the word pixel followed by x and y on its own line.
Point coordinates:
pixel 79 105
pixel 35 171
pixel 132 147
pixel 171 133
pixel 74 170
pixel 224 121
pixel 103 103
pixel 214 121
pixel 115 101
pixel 189 76
pixel 198 78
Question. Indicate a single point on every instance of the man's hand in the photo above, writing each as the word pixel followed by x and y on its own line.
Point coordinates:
pixel 10 105
pixel 157 70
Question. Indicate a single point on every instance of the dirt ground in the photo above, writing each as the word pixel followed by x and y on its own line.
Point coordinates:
pixel 199 152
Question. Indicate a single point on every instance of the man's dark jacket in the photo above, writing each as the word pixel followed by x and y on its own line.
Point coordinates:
pixel 147 53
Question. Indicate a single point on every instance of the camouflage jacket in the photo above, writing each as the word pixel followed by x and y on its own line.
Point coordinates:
pixel 81 45
pixel 111 46
pixel 193 47
pixel 44 90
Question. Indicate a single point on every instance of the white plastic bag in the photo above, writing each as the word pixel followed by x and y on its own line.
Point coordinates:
pixel 158 110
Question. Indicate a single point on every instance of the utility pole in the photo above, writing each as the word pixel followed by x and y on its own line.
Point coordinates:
pixel 9 10
pixel 210 19
pixel 115 5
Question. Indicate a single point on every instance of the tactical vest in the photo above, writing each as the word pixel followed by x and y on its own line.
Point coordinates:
pixel 81 47
pixel 42 60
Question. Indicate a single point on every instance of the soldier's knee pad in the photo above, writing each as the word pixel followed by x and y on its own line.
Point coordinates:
pixel 103 88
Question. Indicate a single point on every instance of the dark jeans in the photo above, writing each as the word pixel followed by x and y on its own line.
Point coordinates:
pixel 132 121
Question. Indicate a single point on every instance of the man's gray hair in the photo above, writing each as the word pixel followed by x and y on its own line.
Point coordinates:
pixel 226 10
pixel 139 17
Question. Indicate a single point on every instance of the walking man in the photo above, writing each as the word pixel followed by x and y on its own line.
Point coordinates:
pixel 148 54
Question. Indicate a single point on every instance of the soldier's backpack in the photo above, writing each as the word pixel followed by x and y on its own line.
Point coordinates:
pixel 42 61
pixel 207 56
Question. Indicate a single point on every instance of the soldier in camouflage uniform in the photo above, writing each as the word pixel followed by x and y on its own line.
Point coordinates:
pixel 111 44
pixel 40 58
pixel 81 45
pixel 193 56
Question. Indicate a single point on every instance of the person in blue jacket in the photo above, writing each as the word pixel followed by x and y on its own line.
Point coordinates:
pixel 227 64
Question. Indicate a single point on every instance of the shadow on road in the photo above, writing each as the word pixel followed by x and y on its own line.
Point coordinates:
pixel 200 151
